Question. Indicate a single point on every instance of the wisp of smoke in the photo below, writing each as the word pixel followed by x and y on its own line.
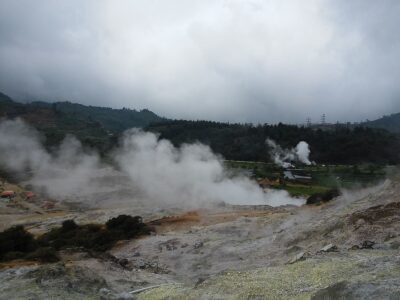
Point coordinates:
pixel 285 157
pixel 303 152
pixel 281 157
pixel 159 172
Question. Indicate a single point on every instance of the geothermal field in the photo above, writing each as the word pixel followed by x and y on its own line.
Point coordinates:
pixel 206 229
pixel 199 150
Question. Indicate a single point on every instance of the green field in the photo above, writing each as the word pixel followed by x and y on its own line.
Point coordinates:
pixel 324 177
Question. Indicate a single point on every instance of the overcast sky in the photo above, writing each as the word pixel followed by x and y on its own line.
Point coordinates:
pixel 229 60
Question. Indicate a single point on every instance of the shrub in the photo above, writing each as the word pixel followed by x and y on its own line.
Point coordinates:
pixel 44 254
pixel 16 239
pixel 16 242
pixel 127 226
pixel 318 198
pixel 68 225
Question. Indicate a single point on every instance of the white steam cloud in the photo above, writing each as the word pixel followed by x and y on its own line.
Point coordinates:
pixel 67 172
pixel 303 152
pixel 285 157
pixel 154 169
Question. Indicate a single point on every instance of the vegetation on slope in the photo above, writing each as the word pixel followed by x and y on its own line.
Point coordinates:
pixel 17 243
pixel 390 123
pixel 100 128
pixel 96 127
pixel 247 142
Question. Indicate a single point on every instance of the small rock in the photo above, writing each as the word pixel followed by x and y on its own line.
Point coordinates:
pixel 105 294
pixel 141 264
pixel 199 281
pixel 184 245
pixel 198 245
pixel 329 248
pixel 136 254
pixel 354 247
pixel 123 262
pixel 367 245
pixel 298 257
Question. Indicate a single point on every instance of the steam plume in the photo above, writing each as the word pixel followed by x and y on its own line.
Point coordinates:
pixel 154 169
pixel 303 152
pixel 285 157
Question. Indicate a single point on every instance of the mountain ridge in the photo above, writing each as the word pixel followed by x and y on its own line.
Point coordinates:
pixel 390 123
pixel 95 126
pixel 100 128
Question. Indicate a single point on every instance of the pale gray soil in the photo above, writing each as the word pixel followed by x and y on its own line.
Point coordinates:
pixel 225 252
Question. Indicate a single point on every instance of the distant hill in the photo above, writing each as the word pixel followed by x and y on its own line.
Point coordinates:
pixel 115 120
pixel 4 98
pixel 100 127
pixel 390 123
pixel 94 126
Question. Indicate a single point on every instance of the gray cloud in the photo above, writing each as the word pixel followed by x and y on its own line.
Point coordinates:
pixel 254 60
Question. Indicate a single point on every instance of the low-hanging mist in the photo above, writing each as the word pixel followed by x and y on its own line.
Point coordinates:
pixel 155 170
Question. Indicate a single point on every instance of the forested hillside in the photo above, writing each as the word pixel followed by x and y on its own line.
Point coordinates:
pixel 390 123
pixel 247 142
pixel 100 128
pixel 96 127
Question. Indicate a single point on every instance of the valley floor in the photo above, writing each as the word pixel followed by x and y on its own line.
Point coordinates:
pixel 347 248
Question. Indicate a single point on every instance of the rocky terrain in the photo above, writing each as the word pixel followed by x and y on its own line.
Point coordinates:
pixel 347 248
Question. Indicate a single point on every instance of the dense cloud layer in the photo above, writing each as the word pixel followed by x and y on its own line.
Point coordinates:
pixel 254 60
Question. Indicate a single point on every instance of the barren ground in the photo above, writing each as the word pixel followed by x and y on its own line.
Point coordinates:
pixel 222 252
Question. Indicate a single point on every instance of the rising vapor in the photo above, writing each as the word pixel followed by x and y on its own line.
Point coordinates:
pixel 285 157
pixel 157 172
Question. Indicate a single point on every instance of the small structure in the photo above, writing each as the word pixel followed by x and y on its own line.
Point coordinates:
pixel 29 196
pixel 288 175
pixel 7 194
pixel 298 176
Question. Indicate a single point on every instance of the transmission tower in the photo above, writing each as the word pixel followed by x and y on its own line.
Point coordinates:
pixel 323 119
